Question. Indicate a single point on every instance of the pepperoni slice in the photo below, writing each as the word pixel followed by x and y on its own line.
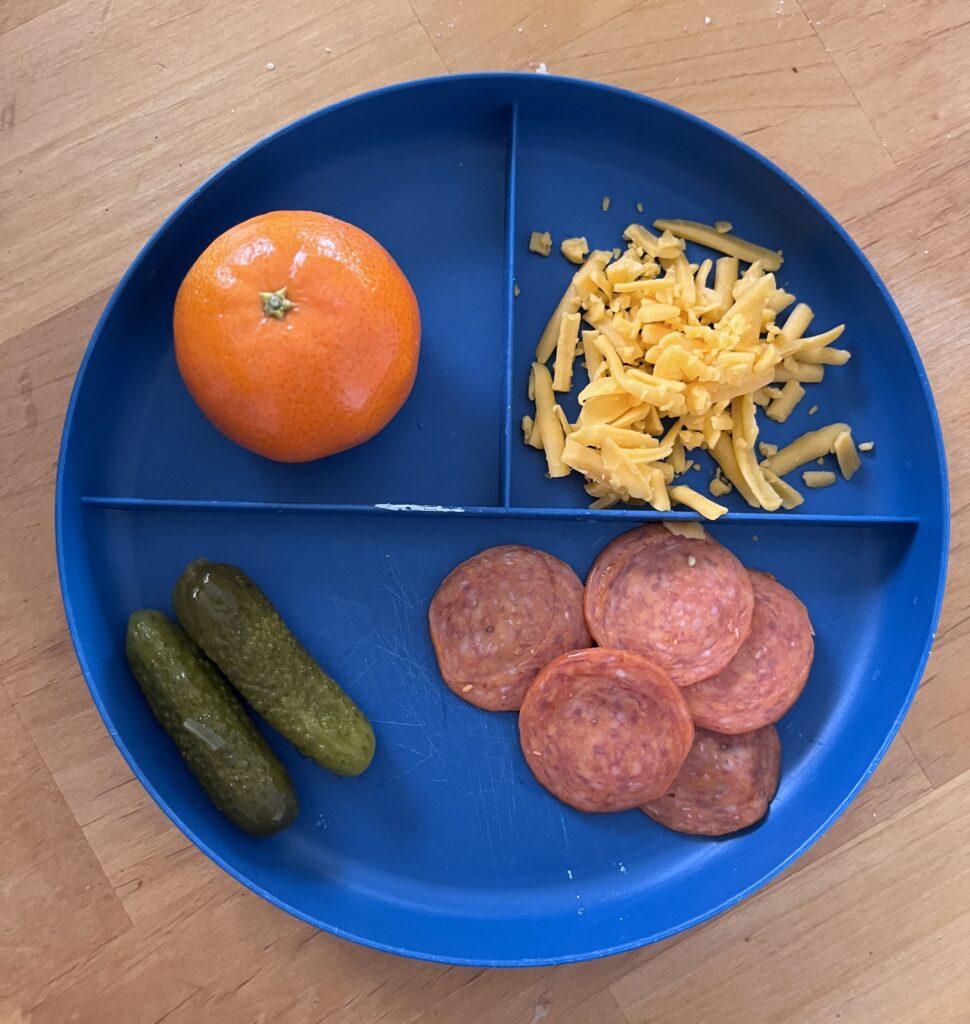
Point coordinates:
pixel 768 674
pixel 604 730
pixel 685 604
pixel 499 617
pixel 726 783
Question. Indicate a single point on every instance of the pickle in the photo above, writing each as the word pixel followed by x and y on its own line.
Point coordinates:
pixel 233 621
pixel 210 727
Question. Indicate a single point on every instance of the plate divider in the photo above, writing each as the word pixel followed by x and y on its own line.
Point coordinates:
pixel 630 516
pixel 505 456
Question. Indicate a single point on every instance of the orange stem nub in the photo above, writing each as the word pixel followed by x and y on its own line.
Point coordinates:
pixel 276 304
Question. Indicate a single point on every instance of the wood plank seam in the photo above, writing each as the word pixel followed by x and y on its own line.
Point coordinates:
pixel 60 796
pixel 913 807
pixel 81 828
pixel 901 738
pixel 427 32
pixel 852 92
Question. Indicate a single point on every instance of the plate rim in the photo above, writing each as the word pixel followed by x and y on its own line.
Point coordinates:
pixel 61 512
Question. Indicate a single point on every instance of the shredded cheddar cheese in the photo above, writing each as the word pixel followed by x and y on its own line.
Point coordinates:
pixel 846 455
pixel 540 242
pixel 692 531
pixel 814 445
pixel 722 241
pixel 679 356
pixel 818 478
pixel 574 249
pixel 784 405
pixel 790 498
pixel 693 499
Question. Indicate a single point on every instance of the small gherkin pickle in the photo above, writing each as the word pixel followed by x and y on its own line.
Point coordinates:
pixel 209 725
pixel 233 621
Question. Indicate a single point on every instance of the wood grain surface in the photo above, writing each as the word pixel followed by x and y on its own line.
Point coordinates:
pixel 110 112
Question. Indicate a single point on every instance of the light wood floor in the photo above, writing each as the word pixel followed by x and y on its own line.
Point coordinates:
pixel 110 112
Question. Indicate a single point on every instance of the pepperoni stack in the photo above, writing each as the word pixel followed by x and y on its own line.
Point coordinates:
pixel 687 638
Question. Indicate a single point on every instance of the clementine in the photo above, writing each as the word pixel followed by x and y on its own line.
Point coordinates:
pixel 297 334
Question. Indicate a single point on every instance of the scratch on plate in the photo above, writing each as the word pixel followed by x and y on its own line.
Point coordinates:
pixel 417 764
pixel 383 645
pixel 419 508
pixel 565 834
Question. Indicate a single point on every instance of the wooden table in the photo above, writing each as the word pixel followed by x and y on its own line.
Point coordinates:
pixel 110 112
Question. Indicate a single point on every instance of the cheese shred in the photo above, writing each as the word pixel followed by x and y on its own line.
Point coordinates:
pixel 680 357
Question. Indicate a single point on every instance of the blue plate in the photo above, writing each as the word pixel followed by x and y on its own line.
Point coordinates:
pixel 446 848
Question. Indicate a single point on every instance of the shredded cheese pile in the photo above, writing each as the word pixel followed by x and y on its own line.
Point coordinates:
pixel 664 343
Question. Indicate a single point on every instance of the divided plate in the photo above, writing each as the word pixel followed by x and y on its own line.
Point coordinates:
pixel 446 848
